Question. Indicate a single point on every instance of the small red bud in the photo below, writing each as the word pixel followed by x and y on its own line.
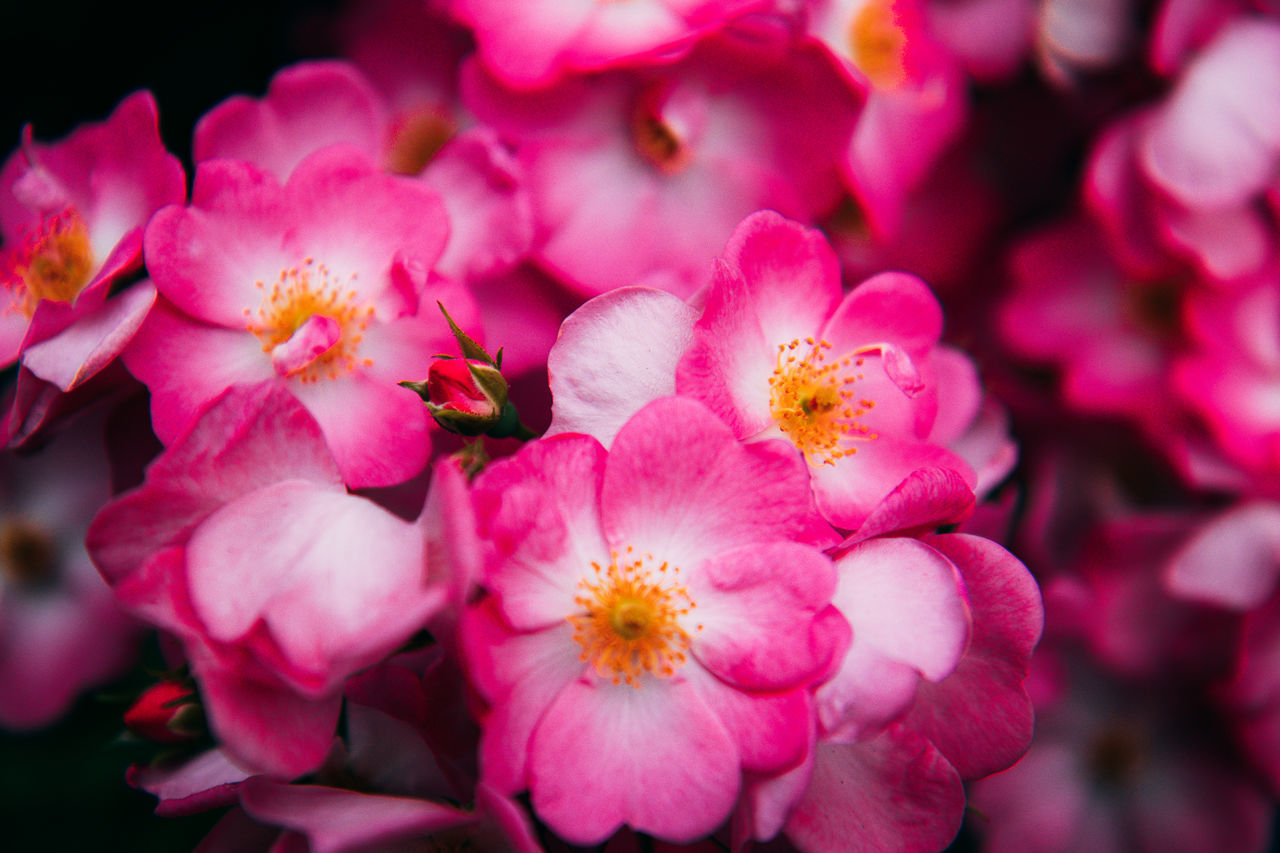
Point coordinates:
pixel 153 716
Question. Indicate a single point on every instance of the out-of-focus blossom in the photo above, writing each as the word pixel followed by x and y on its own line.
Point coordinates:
pixel 657 615
pixel 1230 377
pixel 315 285
pixel 244 544
pixel 915 101
pixel 535 43
pixel 60 630
pixel 634 173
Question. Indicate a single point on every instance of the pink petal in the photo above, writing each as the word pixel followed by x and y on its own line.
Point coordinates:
pixel 756 611
pixel 613 355
pixel 849 491
pixel 336 820
pixel 268 727
pixel 87 346
pixel 294 555
pixel 307 106
pixel 187 364
pixel 1215 142
pixel 520 674
pixel 679 486
pixel 654 758
pixel 770 730
pixel 895 792
pixel 927 499
pixel 249 438
pixel 1233 561
pixel 207 781
pixel 979 717
pixel 905 599
pixel 541 513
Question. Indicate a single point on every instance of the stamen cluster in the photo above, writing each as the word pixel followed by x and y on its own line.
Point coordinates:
pixel 307 291
pixel 55 262
pixel 631 620
pixel 810 399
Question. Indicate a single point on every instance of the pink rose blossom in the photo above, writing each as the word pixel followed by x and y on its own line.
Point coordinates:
pixel 244 544
pixel 642 172
pixel 657 615
pixel 316 286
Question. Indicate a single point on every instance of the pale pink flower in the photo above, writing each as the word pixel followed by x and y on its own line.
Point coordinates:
pixel 658 613
pixel 244 544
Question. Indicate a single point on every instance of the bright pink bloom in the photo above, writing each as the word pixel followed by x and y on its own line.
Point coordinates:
pixel 71 217
pixel 534 43
pixel 315 285
pixel 244 543
pixel 851 381
pixel 658 614
pixel 60 630
pixel 647 172
pixel 848 379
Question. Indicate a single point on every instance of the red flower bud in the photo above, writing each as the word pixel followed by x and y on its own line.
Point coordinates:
pixel 161 715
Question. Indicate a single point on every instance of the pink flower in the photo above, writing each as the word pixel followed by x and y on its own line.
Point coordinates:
pixel 533 44
pixel 633 173
pixel 71 216
pixel 314 285
pixel 62 632
pixel 244 543
pixel 658 613
pixel 847 379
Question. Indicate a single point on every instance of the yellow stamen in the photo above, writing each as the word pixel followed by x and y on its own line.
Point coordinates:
pixel 54 263
pixel 631 619
pixel 300 293
pixel 811 401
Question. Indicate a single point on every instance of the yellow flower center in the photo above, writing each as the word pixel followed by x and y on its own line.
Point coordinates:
pixel 811 401
pixel 54 263
pixel 878 45
pixel 309 292
pixel 630 624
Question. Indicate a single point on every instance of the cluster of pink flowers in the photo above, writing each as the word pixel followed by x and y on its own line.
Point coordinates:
pixel 539 428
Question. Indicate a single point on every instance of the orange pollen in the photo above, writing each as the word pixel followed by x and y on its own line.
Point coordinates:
pixel 878 44
pixel 631 618
pixel 810 398
pixel 55 262
pixel 299 294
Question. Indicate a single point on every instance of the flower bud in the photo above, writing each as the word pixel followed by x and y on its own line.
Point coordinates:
pixel 167 712
pixel 464 396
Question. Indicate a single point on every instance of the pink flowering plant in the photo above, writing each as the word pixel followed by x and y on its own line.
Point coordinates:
pixel 651 425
